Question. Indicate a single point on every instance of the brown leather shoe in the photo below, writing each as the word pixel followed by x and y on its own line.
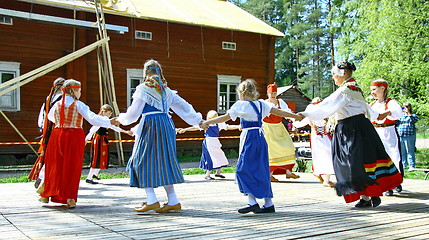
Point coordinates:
pixel 273 179
pixel 44 199
pixel 145 207
pixel 71 203
pixel 329 184
pixel 168 208
pixel 292 175
pixel 318 177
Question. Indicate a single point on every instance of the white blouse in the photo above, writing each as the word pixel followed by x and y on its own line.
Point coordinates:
pixel 341 105
pixel 244 110
pixel 393 106
pixel 182 108
pixel 83 109
pixel 283 105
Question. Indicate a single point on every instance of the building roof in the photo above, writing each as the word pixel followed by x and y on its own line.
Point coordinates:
pixel 281 90
pixel 206 13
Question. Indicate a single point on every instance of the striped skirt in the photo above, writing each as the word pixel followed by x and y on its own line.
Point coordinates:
pixel 154 162
pixel 361 164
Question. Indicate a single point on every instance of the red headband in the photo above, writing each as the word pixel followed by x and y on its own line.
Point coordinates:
pixel 272 88
pixel 379 84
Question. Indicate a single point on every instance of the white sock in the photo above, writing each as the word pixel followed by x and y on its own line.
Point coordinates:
pixel 96 171
pixel 268 202
pixel 150 196
pixel 171 195
pixel 251 200
pixel 366 198
pixel 208 172
pixel 90 174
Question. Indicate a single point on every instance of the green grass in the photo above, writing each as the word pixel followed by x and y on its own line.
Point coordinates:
pixel 422 161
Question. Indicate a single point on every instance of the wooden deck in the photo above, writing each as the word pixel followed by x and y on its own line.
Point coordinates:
pixel 304 210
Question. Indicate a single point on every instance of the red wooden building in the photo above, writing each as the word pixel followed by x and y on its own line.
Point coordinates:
pixel 206 47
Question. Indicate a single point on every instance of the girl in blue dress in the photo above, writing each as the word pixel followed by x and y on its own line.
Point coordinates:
pixel 212 157
pixel 253 171
pixel 153 162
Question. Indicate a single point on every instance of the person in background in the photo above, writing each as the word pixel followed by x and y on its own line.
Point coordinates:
pixel 386 127
pixel 281 150
pixel 212 157
pixel 407 136
pixel 100 145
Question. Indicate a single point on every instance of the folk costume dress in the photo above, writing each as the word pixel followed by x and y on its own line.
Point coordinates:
pixel 386 129
pixel 253 170
pixel 153 162
pixel 64 156
pixel 100 146
pixel 320 144
pixel 38 169
pixel 361 164
pixel 212 156
pixel 281 150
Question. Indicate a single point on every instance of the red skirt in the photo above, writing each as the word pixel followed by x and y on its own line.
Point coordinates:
pixel 100 152
pixel 63 164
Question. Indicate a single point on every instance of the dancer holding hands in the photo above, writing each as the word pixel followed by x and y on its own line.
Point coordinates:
pixel 253 171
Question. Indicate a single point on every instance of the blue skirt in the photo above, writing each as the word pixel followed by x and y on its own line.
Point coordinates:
pixel 253 170
pixel 206 162
pixel 154 162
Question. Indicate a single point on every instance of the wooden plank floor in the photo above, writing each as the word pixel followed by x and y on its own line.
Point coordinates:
pixel 304 210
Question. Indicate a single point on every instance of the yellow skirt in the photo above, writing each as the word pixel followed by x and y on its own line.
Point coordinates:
pixel 281 150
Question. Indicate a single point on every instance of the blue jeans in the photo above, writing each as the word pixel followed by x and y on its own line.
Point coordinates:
pixel 408 146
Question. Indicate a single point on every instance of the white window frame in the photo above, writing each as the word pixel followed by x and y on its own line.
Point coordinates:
pixel 14 68
pixel 4 18
pixel 229 46
pixel 144 33
pixel 132 73
pixel 227 80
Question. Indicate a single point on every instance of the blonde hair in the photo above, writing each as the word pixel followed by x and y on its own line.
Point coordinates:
pixel 248 88
pixel 381 80
pixel 152 67
pixel 71 83
pixel 212 114
pixel 106 107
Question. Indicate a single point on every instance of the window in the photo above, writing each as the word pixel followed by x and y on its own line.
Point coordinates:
pixel 143 35
pixel 134 77
pixel 229 46
pixel 227 94
pixel 6 20
pixel 9 101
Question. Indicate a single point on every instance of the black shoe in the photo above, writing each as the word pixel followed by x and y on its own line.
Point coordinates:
pixel 219 176
pixel 389 193
pixel 96 177
pixel 376 201
pixel 398 188
pixel 254 208
pixel 37 183
pixel 267 209
pixel 208 178
pixel 362 203
pixel 91 181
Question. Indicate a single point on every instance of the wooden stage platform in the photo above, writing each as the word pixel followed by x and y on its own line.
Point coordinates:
pixel 304 210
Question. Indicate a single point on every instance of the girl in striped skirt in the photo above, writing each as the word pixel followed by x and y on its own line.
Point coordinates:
pixel 362 167
pixel 153 162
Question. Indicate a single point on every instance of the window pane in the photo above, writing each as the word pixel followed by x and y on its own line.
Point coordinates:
pixel 223 88
pixel 135 82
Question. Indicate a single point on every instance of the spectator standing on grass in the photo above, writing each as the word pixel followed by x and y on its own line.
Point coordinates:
pixel 407 136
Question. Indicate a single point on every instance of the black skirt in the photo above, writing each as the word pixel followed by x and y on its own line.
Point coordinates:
pixel 361 164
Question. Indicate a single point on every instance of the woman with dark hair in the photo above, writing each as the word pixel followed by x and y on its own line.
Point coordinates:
pixel 407 136
pixel 362 167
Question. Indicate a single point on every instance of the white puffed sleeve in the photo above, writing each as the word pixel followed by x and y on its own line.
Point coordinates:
pixel 185 110
pixel 91 117
pixel 327 107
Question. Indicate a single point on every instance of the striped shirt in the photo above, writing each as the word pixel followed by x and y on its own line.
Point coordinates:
pixel 407 126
